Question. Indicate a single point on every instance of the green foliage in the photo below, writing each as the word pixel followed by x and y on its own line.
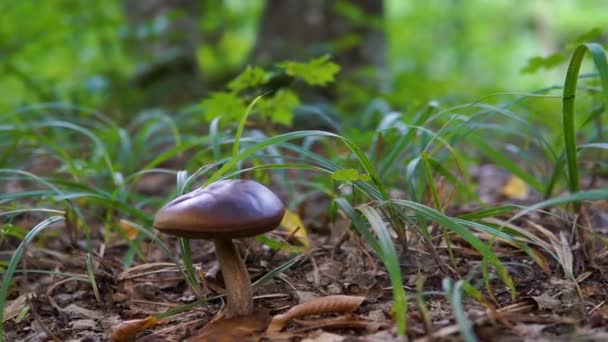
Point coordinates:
pixel 279 105
pixel 558 58
pixel 394 140
pixel 250 78
pixel 11 230
pixel 228 105
pixel 537 62
pixel 349 175
pixel 319 71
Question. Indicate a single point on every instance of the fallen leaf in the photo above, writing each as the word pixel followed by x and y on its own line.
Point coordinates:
pixel 292 223
pixel 328 304
pixel 515 188
pixel 13 308
pixel 324 337
pixel 127 329
pixel 83 324
pixel 130 232
pixel 234 329
pixel 345 322
pixel 546 302
pixel 77 311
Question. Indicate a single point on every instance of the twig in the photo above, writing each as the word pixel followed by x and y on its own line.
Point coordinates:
pixel 34 312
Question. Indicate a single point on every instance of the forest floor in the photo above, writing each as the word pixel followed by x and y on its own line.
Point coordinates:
pixel 548 306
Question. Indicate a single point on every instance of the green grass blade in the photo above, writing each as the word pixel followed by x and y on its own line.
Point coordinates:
pixel 454 293
pixel 276 271
pixel 27 210
pixel 214 133
pixel 391 262
pixel 502 161
pixel 150 235
pixel 404 141
pixel 465 234
pixel 191 278
pixel 568 101
pixel 364 161
pixel 591 195
pixel 430 180
pixel 489 212
pixel 91 278
pixel 601 146
pixel 359 225
pixel 239 131
pixel 16 259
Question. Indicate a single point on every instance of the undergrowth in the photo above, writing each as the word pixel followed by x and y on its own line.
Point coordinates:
pixel 81 169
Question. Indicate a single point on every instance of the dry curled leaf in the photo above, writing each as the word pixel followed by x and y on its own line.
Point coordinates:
pixel 234 329
pixel 329 304
pixel 127 329
pixel 345 322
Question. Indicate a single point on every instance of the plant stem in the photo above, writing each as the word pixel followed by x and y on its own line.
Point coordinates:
pixel 236 279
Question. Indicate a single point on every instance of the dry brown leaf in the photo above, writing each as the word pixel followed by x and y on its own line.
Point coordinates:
pixel 234 329
pixel 345 322
pixel 329 304
pixel 546 302
pixel 127 329
pixel 74 310
pixel 13 308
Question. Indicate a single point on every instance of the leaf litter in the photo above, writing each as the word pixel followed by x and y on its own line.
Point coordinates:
pixel 339 285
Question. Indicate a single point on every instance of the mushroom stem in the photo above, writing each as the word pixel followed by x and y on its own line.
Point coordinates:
pixel 236 279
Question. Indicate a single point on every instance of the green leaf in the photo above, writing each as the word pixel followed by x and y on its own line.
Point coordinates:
pixel 537 62
pixel 223 103
pixel 453 291
pixel 16 259
pixel 349 175
pixel 591 35
pixel 279 108
pixel 251 77
pixel 14 231
pixel 318 71
pixel 388 255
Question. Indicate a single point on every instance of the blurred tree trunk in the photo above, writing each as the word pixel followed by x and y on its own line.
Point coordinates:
pixel 350 30
pixel 165 37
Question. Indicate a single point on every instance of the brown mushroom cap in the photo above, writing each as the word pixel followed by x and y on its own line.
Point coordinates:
pixel 224 209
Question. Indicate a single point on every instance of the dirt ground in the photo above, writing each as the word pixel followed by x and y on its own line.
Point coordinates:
pixel 547 307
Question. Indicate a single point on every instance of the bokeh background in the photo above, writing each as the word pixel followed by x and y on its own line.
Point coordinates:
pixel 125 56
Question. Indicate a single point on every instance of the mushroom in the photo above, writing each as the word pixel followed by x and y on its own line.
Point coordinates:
pixel 222 211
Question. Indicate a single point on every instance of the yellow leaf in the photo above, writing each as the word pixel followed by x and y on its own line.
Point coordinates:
pixel 291 222
pixel 125 331
pixel 515 188
pixel 128 230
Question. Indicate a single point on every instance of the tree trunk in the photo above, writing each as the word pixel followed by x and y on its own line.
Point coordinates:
pixel 299 30
pixel 167 35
